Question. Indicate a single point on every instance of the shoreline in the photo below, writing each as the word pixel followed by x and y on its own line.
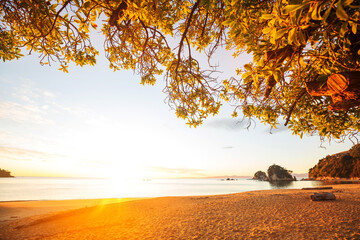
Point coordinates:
pixel 264 214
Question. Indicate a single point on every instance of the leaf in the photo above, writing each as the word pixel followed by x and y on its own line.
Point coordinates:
pixel 326 14
pixel 348 2
pixel 343 29
pixel 315 14
pixel 77 3
pixel 303 27
pixel 227 22
pixel 94 25
pixel 280 33
pixel 292 8
pixel 267 30
pixel 86 4
pixel 354 28
pixel 291 36
pixel 302 37
pixel 277 76
pixel 267 16
pixel 340 12
pixel 245 75
pixel 248 67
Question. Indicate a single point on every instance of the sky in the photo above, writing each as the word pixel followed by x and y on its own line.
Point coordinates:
pixel 93 122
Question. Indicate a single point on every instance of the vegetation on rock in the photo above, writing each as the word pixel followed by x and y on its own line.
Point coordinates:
pixel 260 175
pixel 341 165
pixel 304 72
pixel 5 173
pixel 274 173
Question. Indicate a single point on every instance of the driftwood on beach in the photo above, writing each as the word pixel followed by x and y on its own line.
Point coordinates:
pixel 322 196
pixel 317 188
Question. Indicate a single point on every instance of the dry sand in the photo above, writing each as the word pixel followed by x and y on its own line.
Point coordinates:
pixel 273 214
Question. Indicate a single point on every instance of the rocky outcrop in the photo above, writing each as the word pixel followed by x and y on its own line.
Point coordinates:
pixel 278 173
pixel 261 176
pixel 275 173
pixel 5 173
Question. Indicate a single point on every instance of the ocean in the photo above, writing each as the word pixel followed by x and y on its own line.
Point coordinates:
pixel 53 188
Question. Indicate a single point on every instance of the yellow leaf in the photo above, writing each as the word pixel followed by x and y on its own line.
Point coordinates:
pixel 280 33
pixel 291 35
pixel 267 16
pixel 245 75
pixel 94 25
pixel 340 12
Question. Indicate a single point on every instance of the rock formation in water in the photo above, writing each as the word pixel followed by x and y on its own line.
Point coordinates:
pixel 5 173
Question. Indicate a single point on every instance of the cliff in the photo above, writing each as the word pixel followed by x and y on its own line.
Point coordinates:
pixel 341 165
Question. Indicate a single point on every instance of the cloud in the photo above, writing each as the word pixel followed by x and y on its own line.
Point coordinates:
pixel 48 94
pixel 226 123
pixel 20 154
pixel 29 93
pixel 26 103
pixel 23 113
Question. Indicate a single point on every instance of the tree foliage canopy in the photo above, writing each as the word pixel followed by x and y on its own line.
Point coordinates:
pixel 295 44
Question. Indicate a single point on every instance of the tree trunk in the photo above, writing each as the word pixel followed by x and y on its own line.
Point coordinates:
pixel 270 83
pixel 317 89
pixel 344 89
pixel 344 82
pixel 117 13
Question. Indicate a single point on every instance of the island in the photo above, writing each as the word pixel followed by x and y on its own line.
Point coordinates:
pixel 274 173
pixel 5 173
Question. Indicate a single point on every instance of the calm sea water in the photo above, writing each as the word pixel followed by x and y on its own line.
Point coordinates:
pixel 45 188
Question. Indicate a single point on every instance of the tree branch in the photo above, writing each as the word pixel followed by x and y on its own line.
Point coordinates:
pixel 56 16
pixel 303 91
pixel 186 30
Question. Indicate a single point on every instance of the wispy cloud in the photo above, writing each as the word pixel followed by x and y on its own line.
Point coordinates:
pixel 228 147
pixel 28 93
pixel 20 154
pixel 75 111
pixel 27 103
pixel 226 123
pixel 23 113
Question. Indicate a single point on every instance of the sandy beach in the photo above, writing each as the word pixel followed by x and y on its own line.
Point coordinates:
pixel 269 214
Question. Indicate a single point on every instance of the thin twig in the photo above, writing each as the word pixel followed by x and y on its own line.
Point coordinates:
pixel 303 91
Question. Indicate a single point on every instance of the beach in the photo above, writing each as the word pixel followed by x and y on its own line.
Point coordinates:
pixel 266 214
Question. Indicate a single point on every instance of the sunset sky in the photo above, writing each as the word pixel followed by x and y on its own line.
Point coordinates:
pixel 93 122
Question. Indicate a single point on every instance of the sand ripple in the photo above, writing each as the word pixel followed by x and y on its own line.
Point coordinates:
pixel 275 214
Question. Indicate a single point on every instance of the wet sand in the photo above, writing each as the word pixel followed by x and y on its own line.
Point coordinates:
pixel 271 214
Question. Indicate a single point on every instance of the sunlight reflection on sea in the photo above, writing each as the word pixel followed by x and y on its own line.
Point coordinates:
pixel 52 188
